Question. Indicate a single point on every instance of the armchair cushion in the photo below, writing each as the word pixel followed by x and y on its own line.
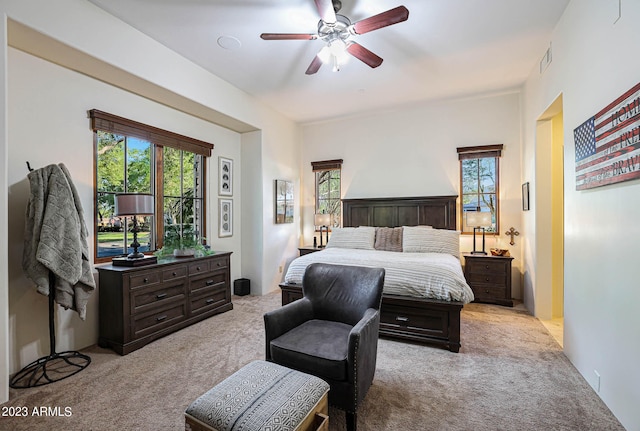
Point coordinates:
pixel 319 346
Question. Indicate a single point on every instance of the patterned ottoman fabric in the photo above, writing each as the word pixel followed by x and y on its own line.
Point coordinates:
pixel 260 396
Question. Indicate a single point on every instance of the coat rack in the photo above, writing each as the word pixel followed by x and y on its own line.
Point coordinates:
pixel 55 366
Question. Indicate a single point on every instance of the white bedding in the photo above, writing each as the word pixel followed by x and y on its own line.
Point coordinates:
pixel 424 275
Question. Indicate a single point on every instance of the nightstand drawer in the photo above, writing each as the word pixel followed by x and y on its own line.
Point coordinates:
pixel 490 278
pixel 486 267
pixel 488 292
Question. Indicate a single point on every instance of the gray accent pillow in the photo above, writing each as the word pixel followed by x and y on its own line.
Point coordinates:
pixel 388 239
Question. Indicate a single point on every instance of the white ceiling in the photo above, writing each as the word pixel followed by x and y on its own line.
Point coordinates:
pixel 447 48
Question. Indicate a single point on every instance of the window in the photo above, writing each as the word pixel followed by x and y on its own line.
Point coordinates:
pixel 328 188
pixel 135 158
pixel 479 183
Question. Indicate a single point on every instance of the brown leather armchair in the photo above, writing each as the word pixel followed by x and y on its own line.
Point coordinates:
pixel 332 332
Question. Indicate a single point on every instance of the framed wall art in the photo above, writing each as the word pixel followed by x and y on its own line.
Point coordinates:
pixel 284 201
pixel 225 217
pixel 225 176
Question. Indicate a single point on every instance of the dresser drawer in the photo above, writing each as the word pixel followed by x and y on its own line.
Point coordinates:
pixel 174 273
pixel 208 281
pixel 199 268
pixel 144 299
pixel 149 323
pixel 144 279
pixel 209 299
pixel 219 263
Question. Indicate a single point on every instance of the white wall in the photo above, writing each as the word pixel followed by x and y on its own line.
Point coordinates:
pixel 129 59
pixel 4 272
pixel 594 62
pixel 411 151
pixel 48 124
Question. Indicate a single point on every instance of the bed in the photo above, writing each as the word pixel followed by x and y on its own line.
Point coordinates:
pixel 424 315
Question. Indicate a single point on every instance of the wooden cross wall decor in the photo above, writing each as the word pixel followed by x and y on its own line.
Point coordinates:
pixel 512 232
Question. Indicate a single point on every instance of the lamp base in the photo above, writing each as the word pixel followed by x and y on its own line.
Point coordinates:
pixel 127 261
pixel 479 252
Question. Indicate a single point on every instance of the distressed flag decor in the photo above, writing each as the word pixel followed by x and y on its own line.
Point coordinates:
pixel 608 144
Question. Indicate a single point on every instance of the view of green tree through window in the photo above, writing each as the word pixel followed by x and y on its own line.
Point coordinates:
pixel 124 166
pixel 328 192
pixel 479 183
pixel 135 158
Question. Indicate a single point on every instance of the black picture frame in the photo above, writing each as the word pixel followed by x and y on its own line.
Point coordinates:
pixel 525 196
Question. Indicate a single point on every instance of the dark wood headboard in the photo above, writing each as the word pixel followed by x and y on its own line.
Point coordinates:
pixel 436 211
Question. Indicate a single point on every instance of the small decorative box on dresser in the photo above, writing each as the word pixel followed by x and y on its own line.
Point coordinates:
pixel 141 304
pixel 489 277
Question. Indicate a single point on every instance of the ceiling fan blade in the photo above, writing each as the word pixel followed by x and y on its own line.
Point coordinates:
pixel 326 11
pixel 314 66
pixel 288 36
pixel 364 55
pixel 384 19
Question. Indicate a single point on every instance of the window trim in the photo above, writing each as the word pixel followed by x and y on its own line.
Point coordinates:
pixel 481 152
pixel 159 138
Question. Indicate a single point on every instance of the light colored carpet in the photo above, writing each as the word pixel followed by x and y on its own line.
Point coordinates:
pixel 510 374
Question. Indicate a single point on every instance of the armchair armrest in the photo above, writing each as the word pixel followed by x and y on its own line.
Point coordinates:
pixel 284 319
pixel 363 349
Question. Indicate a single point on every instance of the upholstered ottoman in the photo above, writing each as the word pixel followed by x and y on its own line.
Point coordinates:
pixel 262 396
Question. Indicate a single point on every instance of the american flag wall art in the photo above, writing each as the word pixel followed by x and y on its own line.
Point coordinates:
pixel 608 144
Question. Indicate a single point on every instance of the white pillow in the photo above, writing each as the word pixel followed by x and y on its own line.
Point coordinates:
pixel 420 240
pixel 362 237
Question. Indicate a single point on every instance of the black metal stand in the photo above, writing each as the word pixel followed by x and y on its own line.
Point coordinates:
pixel 56 366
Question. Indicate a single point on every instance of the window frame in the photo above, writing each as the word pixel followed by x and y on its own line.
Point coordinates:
pixel 158 139
pixel 324 166
pixel 480 152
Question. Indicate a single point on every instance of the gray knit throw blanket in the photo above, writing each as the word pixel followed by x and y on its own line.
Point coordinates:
pixel 55 239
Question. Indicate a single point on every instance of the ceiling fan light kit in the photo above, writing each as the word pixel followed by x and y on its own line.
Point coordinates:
pixel 336 30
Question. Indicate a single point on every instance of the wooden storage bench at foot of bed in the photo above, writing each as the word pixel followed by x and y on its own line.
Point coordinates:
pixel 427 321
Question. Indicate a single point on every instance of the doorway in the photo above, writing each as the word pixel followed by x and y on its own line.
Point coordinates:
pixel 550 220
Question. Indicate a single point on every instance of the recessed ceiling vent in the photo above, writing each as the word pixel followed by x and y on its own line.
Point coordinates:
pixel 546 60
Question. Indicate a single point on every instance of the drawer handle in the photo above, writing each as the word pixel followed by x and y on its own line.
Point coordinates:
pixel 209 301
pixel 486 267
pixel 402 319
pixel 146 280
pixel 486 279
pixel 161 295
pixel 161 318
pixel 486 291
pixel 197 268
pixel 209 282
pixel 174 273
pixel 219 263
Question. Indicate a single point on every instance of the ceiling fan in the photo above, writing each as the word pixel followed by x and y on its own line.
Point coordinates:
pixel 336 30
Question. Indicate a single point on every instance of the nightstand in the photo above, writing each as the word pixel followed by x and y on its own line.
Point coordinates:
pixel 489 277
pixel 308 249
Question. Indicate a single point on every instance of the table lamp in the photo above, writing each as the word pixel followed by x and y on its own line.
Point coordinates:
pixel 134 205
pixel 323 221
pixel 478 220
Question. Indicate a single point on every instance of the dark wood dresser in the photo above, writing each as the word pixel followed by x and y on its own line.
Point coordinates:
pixel 141 304
pixel 489 277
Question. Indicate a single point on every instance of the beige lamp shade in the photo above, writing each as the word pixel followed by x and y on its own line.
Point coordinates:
pixel 478 219
pixel 128 204
pixel 322 219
